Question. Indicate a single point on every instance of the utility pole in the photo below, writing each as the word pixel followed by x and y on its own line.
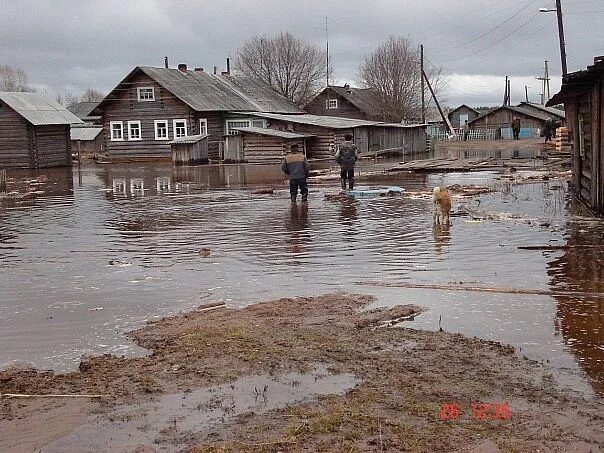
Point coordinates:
pixel 544 84
pixel 509 92
pixel 505 92
pixel 327 50
pixel 423 87
pixel 561 35
pixel 440 110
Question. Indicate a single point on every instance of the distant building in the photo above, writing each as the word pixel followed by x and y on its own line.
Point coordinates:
pixel 500 119
pixel 554 113
pixel 582 93
pixel 83 110
pixel 151 107
pixel 346 102
pixel 34 131
pixel 86 140
pixel 461 114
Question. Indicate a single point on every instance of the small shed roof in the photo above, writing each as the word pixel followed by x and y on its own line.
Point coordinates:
pixel 85 133
pixel 271 132
pixel 188 139
pixel 38 110
pixel 466 106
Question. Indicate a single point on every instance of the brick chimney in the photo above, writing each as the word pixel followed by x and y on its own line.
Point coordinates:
pixel 182 67
pixel 198 69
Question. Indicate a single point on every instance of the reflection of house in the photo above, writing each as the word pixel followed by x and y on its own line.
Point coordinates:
pixel 153 106
pixel 324 133
pixel 34 131
pixel 458 116
pixel 583 96
pixel 500 118
pixel 580 316
pixel 347 102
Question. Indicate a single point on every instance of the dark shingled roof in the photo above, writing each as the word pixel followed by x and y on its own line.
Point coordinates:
pixel 577 81
pixel 365 99
pixel 82 109
pixel 212 92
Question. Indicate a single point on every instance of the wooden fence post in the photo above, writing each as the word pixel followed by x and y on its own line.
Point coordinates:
pixel 2 180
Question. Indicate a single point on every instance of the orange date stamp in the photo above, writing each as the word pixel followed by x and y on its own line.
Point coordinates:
pixel 480 411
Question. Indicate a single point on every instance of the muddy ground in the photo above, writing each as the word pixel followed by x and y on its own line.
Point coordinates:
pixel 402 380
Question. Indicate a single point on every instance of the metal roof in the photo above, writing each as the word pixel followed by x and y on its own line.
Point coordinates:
pixel 85 133
pixel 212 92
pixel 332 122
pixel 38 110
pixel 553 111
pixel 271 132
pixel 188 139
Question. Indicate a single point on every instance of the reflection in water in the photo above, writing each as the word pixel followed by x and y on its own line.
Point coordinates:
pixel 297 225
pixel 580 318
pixel 442 237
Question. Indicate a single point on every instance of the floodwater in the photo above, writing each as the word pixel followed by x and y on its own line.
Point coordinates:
pixel 185 418
pixel 106 247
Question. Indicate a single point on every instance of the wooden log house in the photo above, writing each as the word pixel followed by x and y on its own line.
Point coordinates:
pixel 151 107
pixel 346 102
pixel 582 93
pixel 34 131
pixel 262 145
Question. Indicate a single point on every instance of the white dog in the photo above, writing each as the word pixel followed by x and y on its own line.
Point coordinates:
pixel 442 205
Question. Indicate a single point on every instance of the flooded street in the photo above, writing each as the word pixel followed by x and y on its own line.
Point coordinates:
pixel 90 259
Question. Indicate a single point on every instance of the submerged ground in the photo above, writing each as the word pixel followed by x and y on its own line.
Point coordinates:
pixel 85 261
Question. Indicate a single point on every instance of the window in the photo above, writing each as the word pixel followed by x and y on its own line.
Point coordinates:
pixel 117 131
pixel 203 126
pixel 331 104
pixel 161 130
pixel 134 130
pixel 180 128
pixel 145 94
pixel 230 124
pixel 258 123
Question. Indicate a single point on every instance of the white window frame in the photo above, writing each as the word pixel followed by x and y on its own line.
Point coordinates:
pixel 155 124
pixel 141 99
pixel 113 137
pixel 174 122
pixel 331 104
pixel 140 130
pixel 228 124
pixel 203 122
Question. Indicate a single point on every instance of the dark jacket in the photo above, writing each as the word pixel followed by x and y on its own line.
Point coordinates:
pixel 346 155
pixel 295 166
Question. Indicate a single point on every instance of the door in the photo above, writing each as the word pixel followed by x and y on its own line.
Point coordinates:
pixel 361 139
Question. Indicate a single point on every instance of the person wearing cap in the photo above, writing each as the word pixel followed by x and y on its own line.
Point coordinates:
pixel 346 157
pixel 296 167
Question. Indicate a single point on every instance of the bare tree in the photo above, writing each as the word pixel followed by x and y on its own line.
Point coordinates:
pixel 393 72
pixel 67 98
pixel 289 65
pixel 92 95
pixel 13 79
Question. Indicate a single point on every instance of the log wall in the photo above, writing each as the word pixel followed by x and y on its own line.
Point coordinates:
pixel 53 146
pixel 14 139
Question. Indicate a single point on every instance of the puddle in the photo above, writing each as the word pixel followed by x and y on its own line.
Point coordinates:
pixel 184 417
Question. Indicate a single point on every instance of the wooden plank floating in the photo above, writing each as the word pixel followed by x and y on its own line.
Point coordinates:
pixel 445 164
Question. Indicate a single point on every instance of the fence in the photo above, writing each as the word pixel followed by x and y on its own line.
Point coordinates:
pixel 475 134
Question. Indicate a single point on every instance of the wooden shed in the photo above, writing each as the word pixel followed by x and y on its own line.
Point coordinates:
pixel 86 140
pixel 325 133
pixel 500 119
pixel 458 116
pixel 582 93
pixel 261 145
pixel 190 150
pixel 34 131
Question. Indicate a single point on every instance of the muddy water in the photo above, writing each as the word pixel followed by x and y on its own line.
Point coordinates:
pixel 182 419
pixel 110 246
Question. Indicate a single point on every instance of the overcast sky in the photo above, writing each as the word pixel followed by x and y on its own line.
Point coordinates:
pixel 72 45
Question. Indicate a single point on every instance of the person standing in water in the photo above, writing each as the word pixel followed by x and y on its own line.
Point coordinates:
pixel 346 157
pixel 296 167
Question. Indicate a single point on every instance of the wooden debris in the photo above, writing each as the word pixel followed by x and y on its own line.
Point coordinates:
pixel 211 306
pixel 560 247
pixel 27 395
